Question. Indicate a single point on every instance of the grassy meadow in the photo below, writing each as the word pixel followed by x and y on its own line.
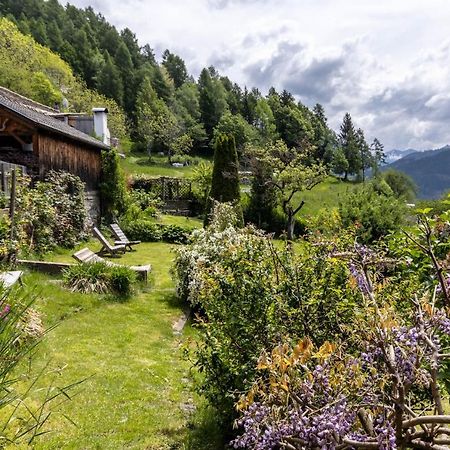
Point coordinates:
pixel 138 391
pixel 325 196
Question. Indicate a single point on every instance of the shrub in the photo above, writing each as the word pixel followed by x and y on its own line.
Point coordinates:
pixel 145 200
pixel 275 222
pixel 436 206
pixel 66 192
pixel 3 200
pixel 249 296
pixel 402 185
pixel 5 229
pixel 52 213
pixel 374 211
pixel 148 231
pixel 368 391
pixel 100 278
pixel 143 230
pixel 112 187
pixel 175 234
pixel 202 176
pixel 121 280
pixel 225 177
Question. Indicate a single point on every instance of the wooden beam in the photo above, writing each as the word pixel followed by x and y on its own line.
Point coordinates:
pixel 25 123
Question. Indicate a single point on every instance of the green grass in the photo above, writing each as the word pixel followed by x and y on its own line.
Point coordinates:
pixel 138 382
pixel 325 196
pixel 182 221
pixel 159 167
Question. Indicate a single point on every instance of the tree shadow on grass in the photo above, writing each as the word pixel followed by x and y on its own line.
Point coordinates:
pixel 204 431
pixel 172 299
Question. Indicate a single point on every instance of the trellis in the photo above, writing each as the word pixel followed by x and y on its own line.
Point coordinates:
pixel 166 188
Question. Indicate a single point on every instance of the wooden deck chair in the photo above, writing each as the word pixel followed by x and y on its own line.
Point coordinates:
pixel 9 279
pixel 85 255
pixel 113 250
pixel 121 238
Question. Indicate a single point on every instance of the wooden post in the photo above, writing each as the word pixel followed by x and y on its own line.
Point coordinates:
pixel 12 202
pixel 3 175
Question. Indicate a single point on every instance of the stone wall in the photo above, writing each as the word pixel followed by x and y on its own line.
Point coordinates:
pixel 92 203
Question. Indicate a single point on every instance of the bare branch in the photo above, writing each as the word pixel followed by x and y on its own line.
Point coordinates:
pixel 425 419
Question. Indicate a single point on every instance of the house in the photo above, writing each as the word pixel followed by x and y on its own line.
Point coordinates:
pixel 43 139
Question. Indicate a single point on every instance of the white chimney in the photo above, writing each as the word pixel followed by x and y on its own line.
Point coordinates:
pixel 101 125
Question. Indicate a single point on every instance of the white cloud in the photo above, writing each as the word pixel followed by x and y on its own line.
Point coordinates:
pixel 385 62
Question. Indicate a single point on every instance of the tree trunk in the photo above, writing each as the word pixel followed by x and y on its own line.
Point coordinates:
pixel 290 225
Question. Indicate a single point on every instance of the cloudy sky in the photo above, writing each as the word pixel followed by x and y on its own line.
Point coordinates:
pixel 387 62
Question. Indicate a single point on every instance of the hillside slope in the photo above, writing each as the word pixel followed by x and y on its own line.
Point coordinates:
pixel 430 170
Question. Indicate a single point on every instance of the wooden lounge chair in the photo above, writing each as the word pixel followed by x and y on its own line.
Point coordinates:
pixel 9 279
pixel 85 255
pixel 113 250
pixel 121 238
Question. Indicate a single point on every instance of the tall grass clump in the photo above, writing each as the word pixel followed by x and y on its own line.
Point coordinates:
pixel 100 278
pixel 24 410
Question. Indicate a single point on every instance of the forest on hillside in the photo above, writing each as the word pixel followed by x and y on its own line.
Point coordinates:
pixel 158 103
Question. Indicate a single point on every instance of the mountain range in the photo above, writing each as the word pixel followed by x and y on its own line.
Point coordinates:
pixel 429 169
pixel 395 154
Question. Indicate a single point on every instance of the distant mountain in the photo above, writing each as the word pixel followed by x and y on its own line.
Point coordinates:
pixel 430 170
pixel 394 155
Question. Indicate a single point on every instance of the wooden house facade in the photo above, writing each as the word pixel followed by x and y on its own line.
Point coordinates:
pixel 41 139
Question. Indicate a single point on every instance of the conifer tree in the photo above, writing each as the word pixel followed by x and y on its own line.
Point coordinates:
pixel 212 100
pixel 364 152
pixel 324 138
pixel 125 67
pixel 378 155
pixel 109 81
pixel 348 142
pixel 225 176
pixel 176 68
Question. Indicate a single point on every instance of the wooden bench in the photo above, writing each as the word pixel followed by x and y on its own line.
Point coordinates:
pixel 9 279
pixel 85 255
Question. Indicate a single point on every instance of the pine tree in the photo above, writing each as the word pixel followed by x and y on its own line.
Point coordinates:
pixel 319 112
pixel 378 155
pixel 324 138
pixel 125 66
pixel 176 68
pixel 348 142
pixel 212 100
pixel 364 151
pixel 109 81
pixel 162 83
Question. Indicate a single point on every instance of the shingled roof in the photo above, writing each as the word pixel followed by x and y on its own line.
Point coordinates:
pixel 41 116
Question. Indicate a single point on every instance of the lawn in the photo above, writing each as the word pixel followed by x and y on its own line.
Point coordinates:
pixel 139 392
pixel 325 196
pixel 135 163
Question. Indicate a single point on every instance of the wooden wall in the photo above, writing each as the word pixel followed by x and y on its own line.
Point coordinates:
pixel 56 153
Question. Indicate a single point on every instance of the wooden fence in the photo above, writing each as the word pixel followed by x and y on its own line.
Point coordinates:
pixel 6 170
